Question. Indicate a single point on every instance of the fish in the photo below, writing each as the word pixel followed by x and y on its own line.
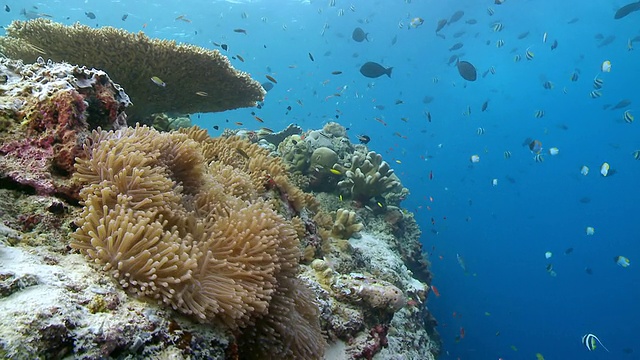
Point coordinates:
pixel 359 35
pixel 554 45
pixel 626 10
pixel 523 35
pixel 497 27
pixel 270 78
pixel 517 58
pixel 456 46
pixel 547 85
pixel 529 54
pixel 335 171
pixel 539 114
pixel 554 151
pixel 90 15
pixel 374 70
pixel 538 158
pixel 490 11
pixel 456 16
pixel 441 24
pixel 242 153
pixel 568 251
pixel 394 40
pixel 622 261
pixel 636 154
pixel 544 37
pixel 435 291
pixel 461 262
pixel 499 43
pixel 550 270
pixel 628 117
pixel 484 106
pixel 415 22
pixel 622 104
pixel 538 355
pixel 474 159
pixel 240 31
pixel 311 57
pixel 459 34
pixel 606 66
pixel 338 72
pixel 574 76
pixel 588 270
pixel 507 154
pixel 364 139
pixel 216 127
pixel 608 40
pixel 590 230
pixel 589 340
pixel 156 80
pixel 267 86
pixel 597 83
pixel 467 70
pixel 462 333
pixel 535 146
pixel 573 21
pixel 595 94
pixel 124 17
pixel 240 58
pixel 604 169
pixel 480 131
pixel 201 93
pixel 584 170
pixel 224 47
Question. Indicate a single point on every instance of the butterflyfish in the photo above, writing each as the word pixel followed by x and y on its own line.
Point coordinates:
pixel 628 117
pixel 606 66
pixel 535 146
pixel 604 169
pixel 590 230
pixel 474 159
pixel 584 170
pixel 622 261
pixel 589 340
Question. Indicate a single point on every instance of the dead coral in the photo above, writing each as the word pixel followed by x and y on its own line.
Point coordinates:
pixel 167 228
pixel 197 79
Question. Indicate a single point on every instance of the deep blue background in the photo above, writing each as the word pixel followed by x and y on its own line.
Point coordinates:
pixel 502 232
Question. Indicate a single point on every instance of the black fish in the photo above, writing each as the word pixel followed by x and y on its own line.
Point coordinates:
pixel 568 251
pixel 523 35
pixel 374 70
pixel 484 105
pixel 554 45
pixel 456 46
pixel 456 16
pixel 441 24
pixel 588 270
pixel 626 10
pixel 573 21
pixel 467 71
pixel 452 59
pixel 124 17
pixel 90 15
pixel 364 139
pixel 622 104
pixel 267 86
pixel 7 8
pixel 394 40
pixel 608 40
pixel 224 47
pixel 359 35
pixel 311 57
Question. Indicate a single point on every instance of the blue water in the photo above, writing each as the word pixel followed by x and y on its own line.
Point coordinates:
pixel 501 231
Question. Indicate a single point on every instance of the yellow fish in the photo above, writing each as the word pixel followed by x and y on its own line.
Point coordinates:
pixel 156 80
pixel 539 356
pixel 335 172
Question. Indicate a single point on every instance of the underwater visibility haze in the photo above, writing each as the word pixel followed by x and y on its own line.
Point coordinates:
pixel 510 122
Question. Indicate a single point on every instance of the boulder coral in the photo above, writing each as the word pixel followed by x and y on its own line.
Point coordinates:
pixel 185 220
pixel 47 111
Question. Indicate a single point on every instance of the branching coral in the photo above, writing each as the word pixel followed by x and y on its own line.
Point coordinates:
pixel 160 218
pixel 369 176
pixel 346 224
pixel 197 79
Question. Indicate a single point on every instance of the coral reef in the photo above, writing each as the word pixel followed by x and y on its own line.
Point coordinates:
pixel 196 79
pixel 176 222
pixel 48 109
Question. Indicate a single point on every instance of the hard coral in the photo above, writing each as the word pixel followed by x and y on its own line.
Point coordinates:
pixel 165 225
pixel 369 176
pixel 58 106
pixel 188 71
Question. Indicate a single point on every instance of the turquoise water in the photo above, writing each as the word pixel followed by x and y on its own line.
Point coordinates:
pixel 508 300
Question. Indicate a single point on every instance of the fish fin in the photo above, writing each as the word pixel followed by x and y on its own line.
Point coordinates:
pixel 388 71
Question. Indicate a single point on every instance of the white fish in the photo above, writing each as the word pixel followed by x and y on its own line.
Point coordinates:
pixel 604 169
pixel 590 230
pixel 475 158
pixel 554 151
pixel 494 182
pixel 606 66
pixel 548 254
pixel 584 170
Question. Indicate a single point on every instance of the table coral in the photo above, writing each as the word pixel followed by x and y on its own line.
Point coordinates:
pixel 160 218
pixel 197 79
pixel 52 108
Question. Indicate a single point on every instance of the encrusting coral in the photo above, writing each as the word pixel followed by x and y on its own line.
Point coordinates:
pixel 183 219
pixel 196 79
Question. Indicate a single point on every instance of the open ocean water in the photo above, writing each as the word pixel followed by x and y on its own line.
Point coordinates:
pixel 487 226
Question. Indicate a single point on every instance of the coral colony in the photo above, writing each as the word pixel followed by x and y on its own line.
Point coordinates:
pixel 120 241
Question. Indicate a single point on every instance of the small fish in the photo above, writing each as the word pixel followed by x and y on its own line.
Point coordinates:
pixel 554 45
pixel 124 17
pixel 335 171
pixel 201 93
pixel 595 94
pixel 7 8
pixel 538 114
pixel 517 58
pixel 606 66
pixel 156 80
pixel 538 158
pixel 435 291
pixel 538 355
pixel 597 83
pixel 462 263
pixel 628 117
pixel 497 27
pixel 590 230
pixel 480 131
pixel 240 31
pixel 311 57
pixel 529 54
pixel 535 146
pixel 507 154
pixel 499 43
pixel 216 127
pixel 574 76
pixel 415 22
pixel 584 170
pixel 490 11
pixel 338 72
pixel 622 261
pixel 90 15
pixel 547 85
pixel 270 78
pixel 589 340
pixel 485 105
pixel 239 123
pixel 544 37
pixel 242 153
pixel 636 154
pixel 568 251
pixel 604 169
pixel 258 119
pixel 266 130
pixel 364 139
pixel 629 44
pixel 554 151
pixel 240 58
pixel 462 333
